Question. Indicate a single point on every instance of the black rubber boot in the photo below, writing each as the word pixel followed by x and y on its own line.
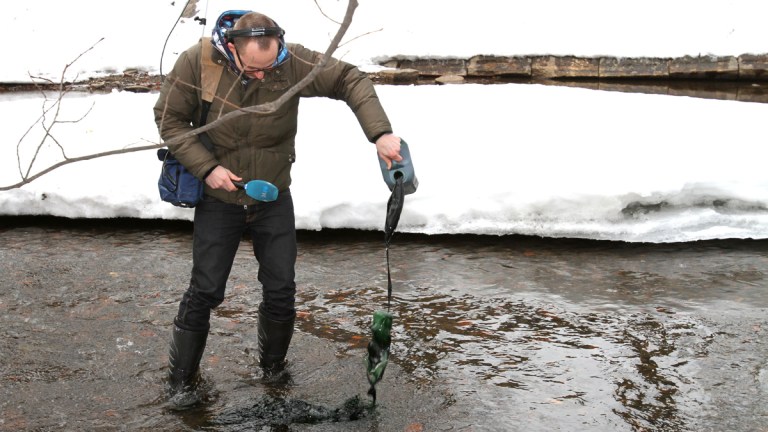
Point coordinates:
pixel 274 339
pixel 184 362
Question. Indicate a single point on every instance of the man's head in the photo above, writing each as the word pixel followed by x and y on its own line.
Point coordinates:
pixel 256 42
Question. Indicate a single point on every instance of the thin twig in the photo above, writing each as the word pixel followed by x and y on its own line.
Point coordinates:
pixel 263 109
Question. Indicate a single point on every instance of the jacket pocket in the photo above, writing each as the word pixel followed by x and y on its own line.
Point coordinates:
pixel 273 166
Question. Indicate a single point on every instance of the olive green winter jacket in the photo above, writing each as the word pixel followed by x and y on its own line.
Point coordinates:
pixel 256 146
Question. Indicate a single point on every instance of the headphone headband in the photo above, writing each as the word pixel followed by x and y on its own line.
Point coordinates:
pixel 254 32
pixel 224 33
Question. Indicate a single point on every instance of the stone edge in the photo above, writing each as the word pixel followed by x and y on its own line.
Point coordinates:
pixel 746 67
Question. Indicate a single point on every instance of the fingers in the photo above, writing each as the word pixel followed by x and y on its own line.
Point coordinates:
pixel 388 147
pixel 387 160
pixel 221 178
pixel 232 178
pixel 228 185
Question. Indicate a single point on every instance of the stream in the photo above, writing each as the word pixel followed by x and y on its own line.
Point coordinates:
pixel 491 333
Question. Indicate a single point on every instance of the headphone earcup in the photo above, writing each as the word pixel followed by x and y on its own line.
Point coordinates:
pixel 282 54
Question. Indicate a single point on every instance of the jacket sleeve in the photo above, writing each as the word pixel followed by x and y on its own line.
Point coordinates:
pixel 343 81
pixel 176 110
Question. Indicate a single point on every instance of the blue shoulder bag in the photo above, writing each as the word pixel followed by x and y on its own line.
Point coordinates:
pixel 177 185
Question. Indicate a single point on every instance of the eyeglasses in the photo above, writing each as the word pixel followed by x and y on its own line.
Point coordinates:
pixel 251 71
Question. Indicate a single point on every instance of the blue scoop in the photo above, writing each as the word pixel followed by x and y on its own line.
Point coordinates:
pixel 260 190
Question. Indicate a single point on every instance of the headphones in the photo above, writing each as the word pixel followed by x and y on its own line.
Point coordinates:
pixel 257 31
pixel 227 34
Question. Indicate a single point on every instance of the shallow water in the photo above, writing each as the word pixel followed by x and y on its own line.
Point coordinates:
pixel 490 333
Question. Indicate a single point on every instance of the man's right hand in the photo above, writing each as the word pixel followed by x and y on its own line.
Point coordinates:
pixel 221 178
pixel 388 147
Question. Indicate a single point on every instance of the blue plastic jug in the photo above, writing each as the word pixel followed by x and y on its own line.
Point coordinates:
pixel 403 169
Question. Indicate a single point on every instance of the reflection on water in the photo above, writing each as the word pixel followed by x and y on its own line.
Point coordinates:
pixel 611 334
pixel 490 333
pixel 733 90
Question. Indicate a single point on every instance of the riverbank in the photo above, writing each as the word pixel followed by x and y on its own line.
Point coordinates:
pixel 740 78
pixel 747 67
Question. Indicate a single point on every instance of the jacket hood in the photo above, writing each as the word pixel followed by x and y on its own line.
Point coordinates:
pixel 226 21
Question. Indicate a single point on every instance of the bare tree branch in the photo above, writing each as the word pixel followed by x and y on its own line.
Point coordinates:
pixel 271 107
pixel 361 35
pixel 336 22
pixel 260 109
pixel 78 159
pixel 325 14
pixel 41 120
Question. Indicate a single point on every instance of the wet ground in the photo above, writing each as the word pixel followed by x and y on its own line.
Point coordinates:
pixel 490 334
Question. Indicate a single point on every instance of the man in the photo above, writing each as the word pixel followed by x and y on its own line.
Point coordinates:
pixel 260 68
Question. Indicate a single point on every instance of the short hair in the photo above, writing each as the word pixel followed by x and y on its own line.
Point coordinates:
pixel 254 20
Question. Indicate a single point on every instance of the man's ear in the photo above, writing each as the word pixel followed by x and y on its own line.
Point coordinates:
pixel 231 46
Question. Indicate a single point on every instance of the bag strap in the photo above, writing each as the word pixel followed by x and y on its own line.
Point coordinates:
pixel 210 71
pixel 210 75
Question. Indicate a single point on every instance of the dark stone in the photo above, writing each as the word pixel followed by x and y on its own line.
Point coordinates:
pixel 137 89
pixel 399 76
pixel 436 67
pixel 628 67
pixel 704 67
pixel 753 67
pixel 483 65
pixel 565 67
pixel 450 79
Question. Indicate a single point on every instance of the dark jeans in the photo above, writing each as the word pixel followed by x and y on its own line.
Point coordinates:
pixel 218 231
